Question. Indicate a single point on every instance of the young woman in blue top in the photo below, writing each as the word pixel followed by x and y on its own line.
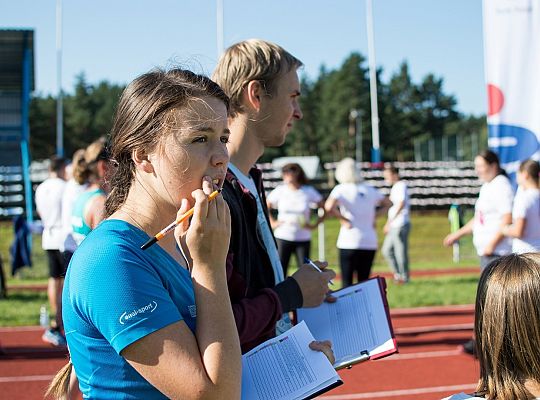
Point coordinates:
pixel 158 323
pixel 89 207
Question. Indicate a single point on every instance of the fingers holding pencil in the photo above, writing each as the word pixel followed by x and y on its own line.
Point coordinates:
pixel 208 234
pixel 182 217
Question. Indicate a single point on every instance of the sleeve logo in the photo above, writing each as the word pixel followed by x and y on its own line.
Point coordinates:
pixel 126 316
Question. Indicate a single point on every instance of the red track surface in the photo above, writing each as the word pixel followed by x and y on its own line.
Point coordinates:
pixel 428 366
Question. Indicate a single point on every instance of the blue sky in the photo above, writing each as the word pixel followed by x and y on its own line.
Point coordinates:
pixel 116 40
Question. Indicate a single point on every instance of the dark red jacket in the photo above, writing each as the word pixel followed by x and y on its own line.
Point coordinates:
pixel 258 303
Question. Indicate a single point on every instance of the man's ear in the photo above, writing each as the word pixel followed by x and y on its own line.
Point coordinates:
pixel 142 161
pixel 253 94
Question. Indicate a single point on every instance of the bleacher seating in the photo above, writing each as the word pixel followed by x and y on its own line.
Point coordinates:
pixel 12 187
pixel 432 185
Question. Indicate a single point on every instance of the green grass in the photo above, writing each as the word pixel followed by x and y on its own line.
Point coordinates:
pixel 444 290
pixel 38 273
pixel 22 308
pixel 426 253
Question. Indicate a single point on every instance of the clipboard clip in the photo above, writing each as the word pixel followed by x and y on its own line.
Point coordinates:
pixel 348 364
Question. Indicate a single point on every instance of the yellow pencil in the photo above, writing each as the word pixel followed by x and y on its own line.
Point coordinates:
pixel 175 223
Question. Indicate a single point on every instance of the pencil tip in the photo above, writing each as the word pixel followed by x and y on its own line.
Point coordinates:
pixel 149 243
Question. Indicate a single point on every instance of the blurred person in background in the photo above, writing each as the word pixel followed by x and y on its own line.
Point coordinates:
pixel 89 207
pixel 293 200
pixel 355 204
pixel 492 210
pixel 76 184
pixel 395 248
pixel 49 208
pixel 525 227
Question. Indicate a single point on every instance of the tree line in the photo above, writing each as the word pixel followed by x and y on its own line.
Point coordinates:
pixel 408 111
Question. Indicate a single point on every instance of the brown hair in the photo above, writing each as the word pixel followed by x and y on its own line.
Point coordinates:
pixel 141 120
pixel 80 173
pixel 507 326
pixel 85 164
pixel 252 60
pixel 57 164
pixel 492 158
pixel 296 171
pixel 391 168
pixel 532 168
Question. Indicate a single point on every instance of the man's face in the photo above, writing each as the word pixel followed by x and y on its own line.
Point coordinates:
pixel 279 110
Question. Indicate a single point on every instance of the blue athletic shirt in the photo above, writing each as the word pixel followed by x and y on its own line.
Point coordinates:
pixel 115 294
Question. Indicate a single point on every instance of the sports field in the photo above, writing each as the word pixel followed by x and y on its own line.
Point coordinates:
pixel 436 279
pixel 432 315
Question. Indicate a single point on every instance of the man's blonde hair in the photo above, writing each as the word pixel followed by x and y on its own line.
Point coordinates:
pixel 252 60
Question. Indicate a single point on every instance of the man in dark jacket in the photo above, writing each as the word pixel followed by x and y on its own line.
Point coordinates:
pixel 261 80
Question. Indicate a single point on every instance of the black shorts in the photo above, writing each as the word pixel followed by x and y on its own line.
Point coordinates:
pixel 57 264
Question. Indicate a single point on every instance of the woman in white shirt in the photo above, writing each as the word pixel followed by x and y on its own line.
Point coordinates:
pixel 525 228
pixel 74 187
pixel 507 327
pixel 293 200
pixel 492 209
pixel 355 204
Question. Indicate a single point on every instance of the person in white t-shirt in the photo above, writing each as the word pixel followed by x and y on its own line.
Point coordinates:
pixel 294 200
pixel 492 210
pixel 355 204
pixel 49 208
pixel 507 328
pixel 75 185
pixel 395 248
pixel 525 228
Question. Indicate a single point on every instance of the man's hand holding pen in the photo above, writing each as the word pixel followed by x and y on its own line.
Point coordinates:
pixel 314 283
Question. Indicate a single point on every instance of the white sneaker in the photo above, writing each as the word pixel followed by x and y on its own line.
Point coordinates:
pixel 53 337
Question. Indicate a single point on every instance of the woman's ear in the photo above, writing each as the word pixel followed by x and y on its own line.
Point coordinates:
pixel 142 161
pixel 253 94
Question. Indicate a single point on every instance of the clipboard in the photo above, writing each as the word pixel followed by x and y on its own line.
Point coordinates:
pixel 348 364
pixel 360 321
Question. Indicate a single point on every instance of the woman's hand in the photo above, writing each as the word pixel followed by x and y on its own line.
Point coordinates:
pixel 450 239
pixel 205 239
pixel 489 249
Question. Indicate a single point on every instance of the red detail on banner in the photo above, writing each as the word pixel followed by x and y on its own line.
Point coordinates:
pixel 495 99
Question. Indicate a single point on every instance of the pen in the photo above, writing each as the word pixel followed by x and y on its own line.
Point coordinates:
pixel 310 262
pixel 176 222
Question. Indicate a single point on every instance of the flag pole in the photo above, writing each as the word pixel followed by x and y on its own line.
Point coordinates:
pixel 59 98
pixel 219 27
pixel 375 150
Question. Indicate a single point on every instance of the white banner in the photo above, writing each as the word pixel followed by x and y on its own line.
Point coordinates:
pixel 512 65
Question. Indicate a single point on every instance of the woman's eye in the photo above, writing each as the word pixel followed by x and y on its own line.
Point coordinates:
pixel 224 139
pixel 200 140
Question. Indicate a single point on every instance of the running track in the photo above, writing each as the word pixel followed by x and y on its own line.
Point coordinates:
pixel 429 364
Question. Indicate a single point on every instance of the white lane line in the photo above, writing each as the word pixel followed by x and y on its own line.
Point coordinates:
pixel 426 354
pixel 404 392
pixel 427 310
pixel 434 328
pixel 28 378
